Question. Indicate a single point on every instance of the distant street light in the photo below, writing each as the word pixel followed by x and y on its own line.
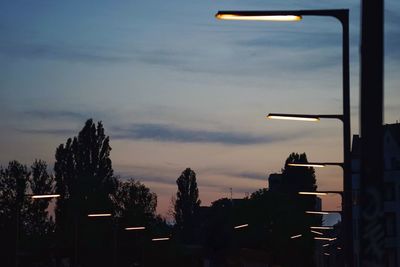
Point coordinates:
pixel 241 226
pixel 135 228
pixel 324 212
pixel 321 227
pixel 99 215
pixel 321 193
pixel 45 196
pixel 316 232
pixel 160 239
pixel 296 236
pixel 324 238
pixel 316 164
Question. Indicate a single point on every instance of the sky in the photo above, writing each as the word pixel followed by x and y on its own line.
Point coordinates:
pixel 176 88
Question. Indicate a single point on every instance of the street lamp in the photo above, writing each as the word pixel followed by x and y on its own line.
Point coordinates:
pixel 241 226
pixel 343 16
pixel 44 196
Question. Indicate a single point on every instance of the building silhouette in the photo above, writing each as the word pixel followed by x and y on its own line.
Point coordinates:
pixel 391 155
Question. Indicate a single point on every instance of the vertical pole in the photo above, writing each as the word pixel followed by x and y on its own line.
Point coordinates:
pixel 115 245
pixel 372 232
pixel 76 241
pixel 347 184
pixel 18 208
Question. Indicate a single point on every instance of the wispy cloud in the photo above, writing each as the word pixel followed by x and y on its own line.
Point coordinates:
pixel 58 132
pixel 171 133
pixel 55 114
pixel 60 52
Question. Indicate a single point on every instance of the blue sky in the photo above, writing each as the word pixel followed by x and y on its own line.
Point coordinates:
pixel 176 88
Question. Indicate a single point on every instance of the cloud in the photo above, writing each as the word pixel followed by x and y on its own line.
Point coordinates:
pixel 171 133
pixel 59 52
pixel 56 114
pixel 58 132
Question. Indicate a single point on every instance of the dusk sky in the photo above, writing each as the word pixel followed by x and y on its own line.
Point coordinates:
pixel 176 88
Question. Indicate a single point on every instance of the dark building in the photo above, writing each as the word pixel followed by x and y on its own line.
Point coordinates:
pixel 391 154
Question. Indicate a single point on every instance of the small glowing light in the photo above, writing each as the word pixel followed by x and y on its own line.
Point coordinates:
pixel 313 193
pixel 295 236
pixel 100 215
pixel 326 245
pixel 339 248
pixel 314 165
pixel 45 196
pixel 316 232
pixel 292 118
pixel 327 254
pixel 135 228
pixel 317 212
pixel 324 238
pixel 160 239
pixel 241 226
pixel 322 227
pixel 258 17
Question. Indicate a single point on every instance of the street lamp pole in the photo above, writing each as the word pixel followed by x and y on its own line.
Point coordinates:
pixel 343 16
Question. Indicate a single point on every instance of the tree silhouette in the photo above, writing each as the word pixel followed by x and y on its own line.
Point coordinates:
pixel 296 179
pixel 186 203
pixel 134 203
pixel 13 206
pixel 84 179
pixel 40 182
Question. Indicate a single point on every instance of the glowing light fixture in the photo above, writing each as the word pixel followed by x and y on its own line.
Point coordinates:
pixel 241 226
pixel 326 245
pixel 296 236
pixel 327 254
pixel 313 193
pixel 317 212
pixel 235 16
pixel 322 227
pixel 316 232
pixel 292 117
pixel 324 238
pixel 314 165
pixel 160 239
pixel 135 228
pixel 99 215
pixel 45 196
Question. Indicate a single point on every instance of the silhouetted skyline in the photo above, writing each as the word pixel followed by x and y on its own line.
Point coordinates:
pixel 177 88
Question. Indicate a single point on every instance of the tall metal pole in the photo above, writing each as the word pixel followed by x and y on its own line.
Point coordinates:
pixel 372 232
pixel 347 184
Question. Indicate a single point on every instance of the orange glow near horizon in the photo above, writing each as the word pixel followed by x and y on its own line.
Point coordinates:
pixel 259 17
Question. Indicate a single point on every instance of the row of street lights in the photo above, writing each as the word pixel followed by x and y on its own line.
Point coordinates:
pixel 343 16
